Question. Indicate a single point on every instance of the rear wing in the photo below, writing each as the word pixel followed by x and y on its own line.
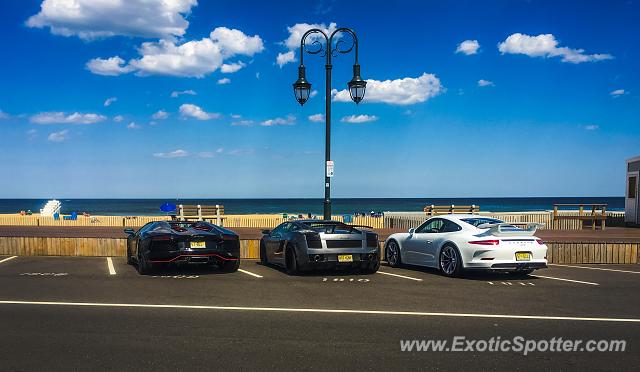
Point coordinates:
pixel 508 229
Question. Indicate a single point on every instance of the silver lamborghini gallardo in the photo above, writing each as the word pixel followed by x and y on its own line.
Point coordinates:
pixel 310 244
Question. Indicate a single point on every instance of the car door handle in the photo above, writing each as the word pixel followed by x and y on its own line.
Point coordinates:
pixel 429 241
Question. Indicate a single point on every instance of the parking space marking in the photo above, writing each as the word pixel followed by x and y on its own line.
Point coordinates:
pixel 250 273
pixel 509 283
pixel 563 279
pixel 8 258
pixel 598 268
pixel 112 270
pixel 400 276
pixel 323 311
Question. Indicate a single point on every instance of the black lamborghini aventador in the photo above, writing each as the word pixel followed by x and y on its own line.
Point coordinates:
pixel 178 242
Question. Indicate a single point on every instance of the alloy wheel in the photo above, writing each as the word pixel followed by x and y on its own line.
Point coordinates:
pixel 448 260
pixel 393 253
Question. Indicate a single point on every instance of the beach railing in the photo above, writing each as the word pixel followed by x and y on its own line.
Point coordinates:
pixel 408 220
pixel 598 213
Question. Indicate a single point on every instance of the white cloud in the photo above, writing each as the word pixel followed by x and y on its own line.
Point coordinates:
pixel 592 127
pixel 228 68
pixel 288 120
pixel 133 125
pixel 313 93
pixel 242 123
pixel 173 154
pixel 176 93
pixel 224 81
pixel 296 31
pixel 195 58
pixel 468 47
pixel 210 154
pixel 241 152
pixel 295 34
pixel 3 115
pixel 113 66
pixel 109 101
pixel 90 19
pixel 405 91
pixel 62 118
pixel 118 118
pixel 32 134
pixel 358 119
pixel 316 118
pixel 193 111
pixel 160 115
pixel 61 136
pixel 485 83
pixel 546 45
pixel 257 75
pixel 284 58
pixel 618 92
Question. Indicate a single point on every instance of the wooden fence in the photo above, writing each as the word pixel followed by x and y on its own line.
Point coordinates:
pixel 30 246
pixel 570 253
pixel 267 221
pixel 596 253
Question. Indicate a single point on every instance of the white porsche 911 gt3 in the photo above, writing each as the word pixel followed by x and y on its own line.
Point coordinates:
pixel 454 243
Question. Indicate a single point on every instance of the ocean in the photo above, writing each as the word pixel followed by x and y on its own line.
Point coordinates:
pixel 144 207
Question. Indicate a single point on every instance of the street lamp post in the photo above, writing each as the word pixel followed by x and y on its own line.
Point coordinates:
pixel 302 89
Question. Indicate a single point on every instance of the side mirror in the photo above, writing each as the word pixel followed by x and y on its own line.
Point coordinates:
pixel 129 231
pixel 266 232
pixel 412 231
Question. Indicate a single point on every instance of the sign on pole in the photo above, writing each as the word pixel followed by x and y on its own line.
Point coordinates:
pixel 330 168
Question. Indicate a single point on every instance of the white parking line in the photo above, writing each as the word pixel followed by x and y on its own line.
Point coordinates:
pixel 112 270
pixel 598 268
pixel 325 311
pixel 400 276
pixel 564 280
pixel 250 273
pixel 8 258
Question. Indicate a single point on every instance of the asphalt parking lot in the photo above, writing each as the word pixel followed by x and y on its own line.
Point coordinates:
pixel 91 312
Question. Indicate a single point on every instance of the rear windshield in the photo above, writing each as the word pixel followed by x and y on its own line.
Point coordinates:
pixel 479 221
pixel 330 228
pixel 183 226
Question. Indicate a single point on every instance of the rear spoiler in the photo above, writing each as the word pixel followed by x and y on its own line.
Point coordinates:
pixel 353 227
pixel 498 229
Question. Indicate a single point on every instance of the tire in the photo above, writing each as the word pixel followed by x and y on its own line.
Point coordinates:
pixel 392 254
pixel 129 258
pixel 144 267
pixel 373 267
pixel 263 254
pixel 230 266
pixel 450 262
pixel 291 262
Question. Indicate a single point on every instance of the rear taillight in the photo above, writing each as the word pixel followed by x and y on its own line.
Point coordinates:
pixel 540 241
pixel 485 242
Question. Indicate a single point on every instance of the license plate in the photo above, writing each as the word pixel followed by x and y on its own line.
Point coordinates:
pixel 523 256
pixel 198 245
pixel 345 258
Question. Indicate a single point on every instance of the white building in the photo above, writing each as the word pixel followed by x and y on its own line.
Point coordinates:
pixel 632 199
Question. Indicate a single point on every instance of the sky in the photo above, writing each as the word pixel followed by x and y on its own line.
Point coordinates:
pixel 187 98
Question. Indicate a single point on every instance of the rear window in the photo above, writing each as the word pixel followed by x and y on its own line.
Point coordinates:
pixel 329 228
pixel 479 221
